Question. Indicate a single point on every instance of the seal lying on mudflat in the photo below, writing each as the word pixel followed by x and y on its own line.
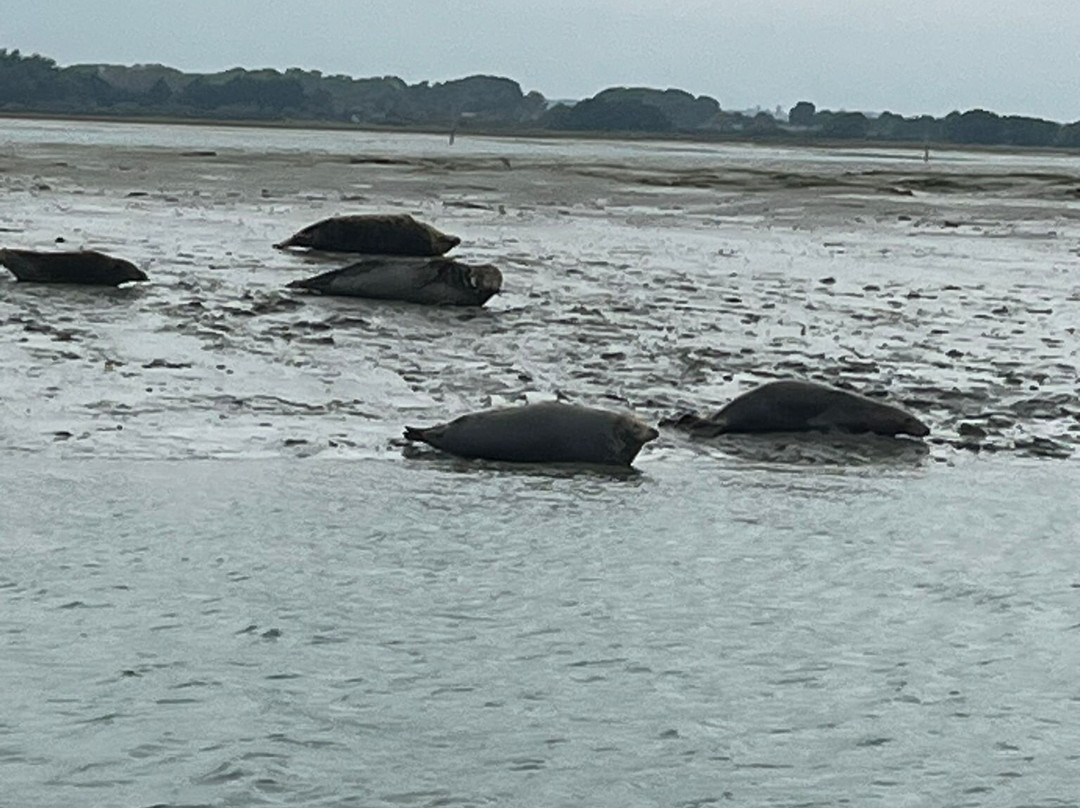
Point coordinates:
pixel 797 406
pixel 436 281
pixel 376 234
pixel 85 267
pixel 541 433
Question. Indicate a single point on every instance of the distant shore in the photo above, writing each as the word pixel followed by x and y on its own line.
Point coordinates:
pixel 35 86
pixel 785 139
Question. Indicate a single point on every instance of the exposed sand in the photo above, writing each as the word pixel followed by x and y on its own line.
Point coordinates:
pixel 649 276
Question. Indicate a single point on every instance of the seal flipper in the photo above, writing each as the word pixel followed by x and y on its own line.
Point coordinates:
pixel 708 427
pixel 415 433
pixel 426 434
pixel 19 266
pixel 319 283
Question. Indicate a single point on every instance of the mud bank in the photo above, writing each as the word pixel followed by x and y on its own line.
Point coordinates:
pixel 657 277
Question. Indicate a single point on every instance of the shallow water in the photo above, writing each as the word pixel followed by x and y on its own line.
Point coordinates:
pixel 224 584
pixel 384 633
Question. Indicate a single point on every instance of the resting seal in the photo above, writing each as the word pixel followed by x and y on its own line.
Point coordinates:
pixel 437 281
pixel 797 406
pixel 86 267
pixel 377 234
pixel 541 433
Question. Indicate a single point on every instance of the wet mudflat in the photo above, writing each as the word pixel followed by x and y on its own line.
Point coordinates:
pixel 653 276
pixel 322 621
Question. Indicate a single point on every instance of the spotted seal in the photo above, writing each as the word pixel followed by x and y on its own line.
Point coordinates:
pixel 87 267
pixel 800 406
pixel 550 432
pixel 434 281
pixel 374 234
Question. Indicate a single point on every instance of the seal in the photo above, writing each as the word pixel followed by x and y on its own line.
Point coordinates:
pixel 375 234
pixel 800 406
pixel 433 281
pixel 550 432
pixel 86 267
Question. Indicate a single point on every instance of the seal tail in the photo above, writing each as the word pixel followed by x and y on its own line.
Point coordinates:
pixel 20 266
pixel 683 420
pixel 700 427
pixel 319 283
pixel 415 433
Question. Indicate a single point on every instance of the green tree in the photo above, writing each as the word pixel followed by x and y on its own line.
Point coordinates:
pixel 600 115
pixel 25 80
pixel 683 111
pixel 844 124
pixel 974 126
pixel 1021 131
pixel 802 114
pixel 1069 136
pixel 266 95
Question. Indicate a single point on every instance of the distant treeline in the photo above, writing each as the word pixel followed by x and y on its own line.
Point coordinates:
pixel 31 84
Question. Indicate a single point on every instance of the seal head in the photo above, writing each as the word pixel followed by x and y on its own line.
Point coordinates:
pixel 628 436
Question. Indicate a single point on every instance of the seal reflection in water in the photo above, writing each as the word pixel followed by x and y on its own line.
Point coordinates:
pixel 375 234
pixel 798 406
pixel 541 433
pixel 86 267
pixel 434 281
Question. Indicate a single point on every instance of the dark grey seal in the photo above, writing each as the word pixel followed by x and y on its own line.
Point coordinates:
pixel 541 433
pixel 375 234
pixel 85 267
pixel 434 281
pixel 798 406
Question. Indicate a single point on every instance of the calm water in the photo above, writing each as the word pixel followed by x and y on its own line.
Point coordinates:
pixel 222 584
pixel 380 633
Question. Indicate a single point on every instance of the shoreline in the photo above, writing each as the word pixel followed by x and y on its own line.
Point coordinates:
pixel 786 140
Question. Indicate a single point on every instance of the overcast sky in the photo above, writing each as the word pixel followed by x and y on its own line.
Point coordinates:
pixel 907 56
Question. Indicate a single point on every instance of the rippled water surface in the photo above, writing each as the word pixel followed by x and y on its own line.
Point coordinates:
pixel 222 583
pixel 379 633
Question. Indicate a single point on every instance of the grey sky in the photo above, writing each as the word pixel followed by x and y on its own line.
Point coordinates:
pixel 907 56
